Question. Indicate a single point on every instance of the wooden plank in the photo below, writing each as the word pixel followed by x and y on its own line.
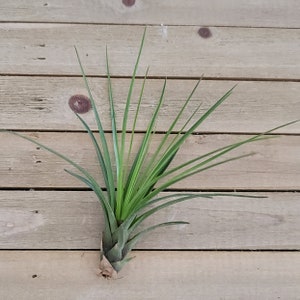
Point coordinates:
pixel 73 220
pixel 275 165
pixel 230 52
pixel 253 106
pixel 180 275
pixel 258 13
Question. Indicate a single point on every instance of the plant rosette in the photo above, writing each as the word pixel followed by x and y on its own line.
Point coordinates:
pixel 132 188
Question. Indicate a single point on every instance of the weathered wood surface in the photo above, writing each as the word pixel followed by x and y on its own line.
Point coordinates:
pixel 73 220
pixel 253 107
pixel 254 43
pixel 169 275
pixel 257 13
pixel 230 52
pixel 275 166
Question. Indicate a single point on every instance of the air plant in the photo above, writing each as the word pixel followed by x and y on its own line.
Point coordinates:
pixel 132 188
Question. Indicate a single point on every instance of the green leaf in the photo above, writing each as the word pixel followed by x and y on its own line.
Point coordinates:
pixel 121 180
pixel 97 189
pixel 108 181
pixel 113 119
pixel 132 242
pixel 141 156
pixel 118 265
pixel 106 156
pixel 136 116
pixel 167 157
pixel 163 164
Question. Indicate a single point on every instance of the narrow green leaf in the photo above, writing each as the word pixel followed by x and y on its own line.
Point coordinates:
pixel 132 242
pixel 181 198
pixel 223 150
pixel 97 189
pixel 120 180
pixel 108 180
pixel 142 154
pixel 218 153
pixel 136 116
pixel 106 155
pixel 155 209
pixel 169 155
pixel 118 265
pixel 162 164
pixel 113 118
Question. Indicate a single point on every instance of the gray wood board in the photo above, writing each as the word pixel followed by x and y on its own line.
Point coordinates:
pixel 257 13
pixel 41 103
pixel 229 53
pixel 275 166
pixel 73 220
pixel 152 275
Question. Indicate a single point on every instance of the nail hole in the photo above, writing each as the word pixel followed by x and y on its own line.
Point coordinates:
pixel 42 45
pixel 37 99
pixel 128 2
pixel 80 104
pixel 45 4
pixel 34 276
pixel 38 148
pixel 40 58
pixel 204 32
pixel 38 161
pixel 36 211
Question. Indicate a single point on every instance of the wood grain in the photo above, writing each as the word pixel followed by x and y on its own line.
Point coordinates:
pixel 275 166
pixel 152 275
pixel 253 106
pixel 231 52
pixel 73 220
pixel 255 43
pixel 257 13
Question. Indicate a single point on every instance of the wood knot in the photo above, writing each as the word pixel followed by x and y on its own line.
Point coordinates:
pixel 205 32
pixel 80 104
pixel 128 2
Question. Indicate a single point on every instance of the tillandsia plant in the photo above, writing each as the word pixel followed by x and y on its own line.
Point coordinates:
pixel 132 188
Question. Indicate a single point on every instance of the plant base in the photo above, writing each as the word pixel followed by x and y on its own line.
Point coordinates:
pixel 106 269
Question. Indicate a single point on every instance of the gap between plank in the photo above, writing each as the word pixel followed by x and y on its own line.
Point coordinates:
pixel 156 133
pixel 209 78
pixel 86 189
pixel 156 250
pixel 147 24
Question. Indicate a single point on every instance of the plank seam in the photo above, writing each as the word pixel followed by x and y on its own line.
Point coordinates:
pixel 83 189
pixel 209 78
pixel 206 133
pixel 148 24
pixel 154 250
